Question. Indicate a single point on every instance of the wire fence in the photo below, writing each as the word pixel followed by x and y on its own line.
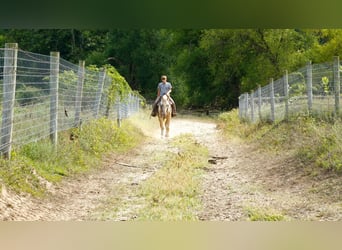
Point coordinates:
pixel 314 90
pixel 43 95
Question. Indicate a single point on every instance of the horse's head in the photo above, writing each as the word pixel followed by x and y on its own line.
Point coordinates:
pixel 164 106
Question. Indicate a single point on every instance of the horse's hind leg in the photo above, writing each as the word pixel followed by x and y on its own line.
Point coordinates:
pixel 167 126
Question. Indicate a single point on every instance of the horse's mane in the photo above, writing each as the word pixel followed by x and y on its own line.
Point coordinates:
pixel 164 99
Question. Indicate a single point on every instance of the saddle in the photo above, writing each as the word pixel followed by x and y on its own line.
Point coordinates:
pixel 172 103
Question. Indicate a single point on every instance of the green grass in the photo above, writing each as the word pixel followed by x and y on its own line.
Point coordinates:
pixel 172 193
pixel 263 215
pixel 33 163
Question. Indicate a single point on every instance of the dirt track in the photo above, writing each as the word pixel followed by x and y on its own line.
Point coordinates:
pixel 241 182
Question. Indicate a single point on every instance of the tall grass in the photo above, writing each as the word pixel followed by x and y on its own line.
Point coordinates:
pixel 34 164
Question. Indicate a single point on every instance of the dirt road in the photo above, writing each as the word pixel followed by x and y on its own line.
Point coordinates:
pixel 241 183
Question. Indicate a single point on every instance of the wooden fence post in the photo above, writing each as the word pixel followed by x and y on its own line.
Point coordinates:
pixel 79 93
pixel 309 85
pixel 337 84
pixel 286 94
pixel 272 101
pixel 54 79
pixel 102 76
pixel 9 83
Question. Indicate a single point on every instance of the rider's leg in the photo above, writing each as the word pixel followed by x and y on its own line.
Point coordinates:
pixel 173 105
pixel 154 107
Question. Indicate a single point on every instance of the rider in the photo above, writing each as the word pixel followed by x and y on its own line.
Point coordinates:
pixel 164 88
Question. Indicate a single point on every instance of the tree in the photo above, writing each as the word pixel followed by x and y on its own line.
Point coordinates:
pixel 240 60
pixel 140 56
pixel 73 45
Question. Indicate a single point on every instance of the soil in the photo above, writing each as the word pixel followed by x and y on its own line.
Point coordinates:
pixel 238 182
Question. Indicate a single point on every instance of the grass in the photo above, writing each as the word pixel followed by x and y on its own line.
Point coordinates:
pixel 311 140
pixel 258 214
pixel 34 164
pixel 172 193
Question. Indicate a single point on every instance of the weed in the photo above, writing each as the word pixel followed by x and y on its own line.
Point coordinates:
pixel 263 215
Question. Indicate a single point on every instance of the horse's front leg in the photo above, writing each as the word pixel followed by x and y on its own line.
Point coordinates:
pixel 162 127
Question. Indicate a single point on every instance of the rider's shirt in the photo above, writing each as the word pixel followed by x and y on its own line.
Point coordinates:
pixel 164 87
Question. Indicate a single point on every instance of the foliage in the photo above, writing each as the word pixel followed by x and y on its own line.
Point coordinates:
pixel 73 44
pixel 208 67
pixel 325 83
pixel 119 87
pixel 140 56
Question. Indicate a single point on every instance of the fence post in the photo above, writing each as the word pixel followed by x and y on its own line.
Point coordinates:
pixel 252 106
pixel 240 107
pixel 54 71
pixel 9 83
pixel 259 102
pixel 272 101
pixel 309 85
pixel 138 104
pixel 286 94
pixel 79 93
pixel 102 76
pixel 246 105
pixel 118 116
pixel 337 84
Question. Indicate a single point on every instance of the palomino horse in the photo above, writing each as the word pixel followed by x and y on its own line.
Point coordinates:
pixel 164 115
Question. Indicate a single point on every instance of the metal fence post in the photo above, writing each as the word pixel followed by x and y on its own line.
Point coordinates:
pixel 286 94
pixel 240 107
pixel 118 118
pixel 259 102
pixel 252 106
pixel 272 101
pixel 337 84
pixel 54 71
pixel 309 85
pixel 246 105
pixel 102 76
pixel 9 83
pixel 79 93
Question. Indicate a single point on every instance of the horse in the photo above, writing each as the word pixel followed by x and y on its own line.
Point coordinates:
pixel 164 115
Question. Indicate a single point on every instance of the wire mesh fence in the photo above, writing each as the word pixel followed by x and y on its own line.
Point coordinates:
pixel 43 95
pixel 314 89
